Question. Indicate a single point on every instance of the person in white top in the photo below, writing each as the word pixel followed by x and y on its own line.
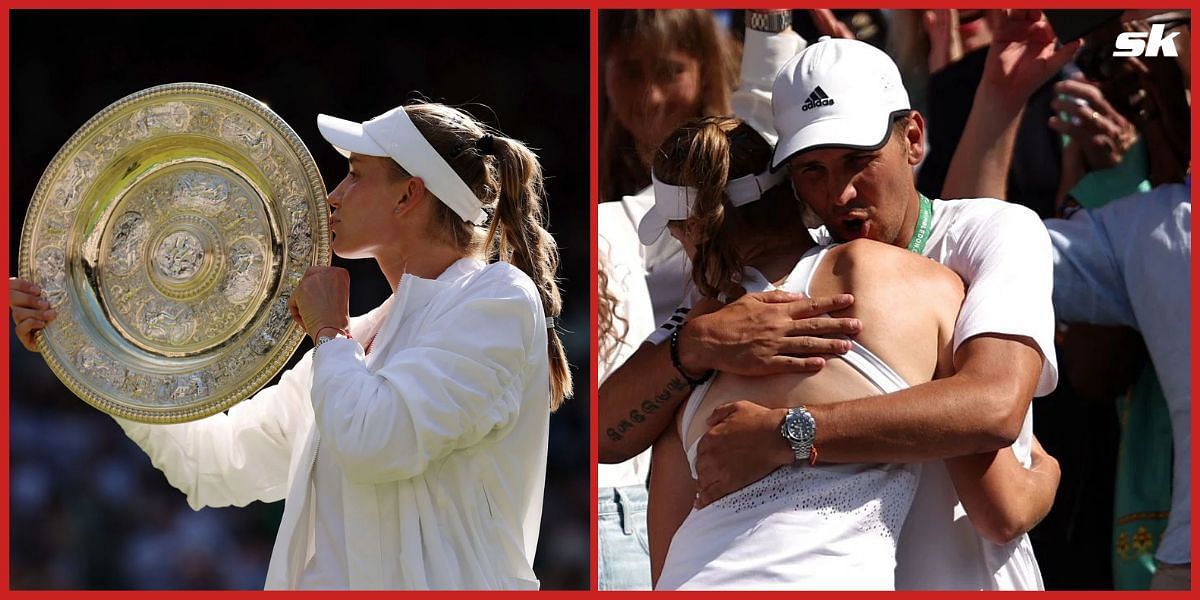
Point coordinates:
pixel 624 318
pixel 811 527
pixel 1003 349
pixel 410 444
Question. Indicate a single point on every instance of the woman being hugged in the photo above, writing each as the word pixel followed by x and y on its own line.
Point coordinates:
pixel 410 443
pixel 810 525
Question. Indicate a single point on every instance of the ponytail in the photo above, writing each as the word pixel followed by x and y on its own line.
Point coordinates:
pixel 507 178
pixel 518 235
pixel 697 155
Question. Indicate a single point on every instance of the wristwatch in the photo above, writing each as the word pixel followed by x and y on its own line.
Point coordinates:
pixel 770 21
pixel 799 429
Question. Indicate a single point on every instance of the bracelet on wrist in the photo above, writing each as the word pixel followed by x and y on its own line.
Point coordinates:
pixel 337 330
pixel 692 381
pixel 318 339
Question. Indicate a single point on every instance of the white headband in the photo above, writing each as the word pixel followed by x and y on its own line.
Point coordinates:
pixel 393 134
pixel 675 201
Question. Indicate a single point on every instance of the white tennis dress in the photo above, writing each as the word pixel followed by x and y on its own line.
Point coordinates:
pixel 801 527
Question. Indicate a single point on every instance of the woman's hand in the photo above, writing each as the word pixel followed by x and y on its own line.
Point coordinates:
pixel 31 312
pixel 322 300
pixel 1094 126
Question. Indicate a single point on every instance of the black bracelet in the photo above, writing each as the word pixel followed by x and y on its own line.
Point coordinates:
pixel 679 366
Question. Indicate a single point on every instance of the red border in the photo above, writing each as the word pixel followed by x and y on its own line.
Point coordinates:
pixel 1195 327
pixel 593 385
pixel 4 251
pixel 473 4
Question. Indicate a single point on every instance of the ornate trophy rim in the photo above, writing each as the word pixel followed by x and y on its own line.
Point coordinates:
pixel 285 345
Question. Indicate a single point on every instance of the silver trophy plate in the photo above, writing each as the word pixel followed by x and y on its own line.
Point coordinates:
pixel 169 233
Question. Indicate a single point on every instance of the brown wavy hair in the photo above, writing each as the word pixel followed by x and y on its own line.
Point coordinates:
pixel 509 184
pixel 706 154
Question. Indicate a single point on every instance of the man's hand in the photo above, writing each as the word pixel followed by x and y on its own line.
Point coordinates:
pixel 321 300
pixel 742 445
pixel 30 311
pixel 766 333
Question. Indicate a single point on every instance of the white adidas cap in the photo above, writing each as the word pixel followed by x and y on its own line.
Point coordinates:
pixel 836 93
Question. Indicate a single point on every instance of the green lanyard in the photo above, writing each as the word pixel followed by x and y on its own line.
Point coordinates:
pixel 924 221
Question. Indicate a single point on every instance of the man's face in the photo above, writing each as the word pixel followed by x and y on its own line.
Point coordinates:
pixel 861 193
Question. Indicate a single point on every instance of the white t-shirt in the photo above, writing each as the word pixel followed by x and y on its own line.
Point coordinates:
pixel 618 244
pixel 1002 253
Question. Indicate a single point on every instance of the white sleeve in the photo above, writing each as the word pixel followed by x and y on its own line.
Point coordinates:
pixel 1089 285
pixel 232 458
pixel 1004 258
pixel 763 55
pixel 448 390
pixel 664 331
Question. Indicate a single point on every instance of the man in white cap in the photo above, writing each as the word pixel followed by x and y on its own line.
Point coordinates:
pixel 849 139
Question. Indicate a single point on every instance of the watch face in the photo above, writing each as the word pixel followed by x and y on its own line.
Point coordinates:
pixel 795 427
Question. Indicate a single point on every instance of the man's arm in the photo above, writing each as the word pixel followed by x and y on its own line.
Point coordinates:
pixel 978 409
pixel 1002 497
pixel 758 334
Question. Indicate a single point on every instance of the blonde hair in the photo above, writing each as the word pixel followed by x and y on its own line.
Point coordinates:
pixel 507 179
pixel 611 326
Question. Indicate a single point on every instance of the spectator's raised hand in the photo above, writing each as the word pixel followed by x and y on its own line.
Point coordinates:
pixel 1101 134
pixel 30 311
pixel 829 25
pixel 945 42
pixel 1022 57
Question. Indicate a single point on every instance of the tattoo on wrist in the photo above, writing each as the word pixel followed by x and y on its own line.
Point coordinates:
pixel 648 407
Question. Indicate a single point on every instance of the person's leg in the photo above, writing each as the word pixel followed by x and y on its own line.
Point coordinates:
pixel 624 557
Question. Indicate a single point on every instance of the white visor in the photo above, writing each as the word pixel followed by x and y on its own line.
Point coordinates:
pixel 674 202
pixel 394 135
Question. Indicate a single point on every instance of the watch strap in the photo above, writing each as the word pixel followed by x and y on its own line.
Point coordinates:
pixel 773 21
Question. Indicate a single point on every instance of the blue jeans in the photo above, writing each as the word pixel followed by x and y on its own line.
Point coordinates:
pixel 624 562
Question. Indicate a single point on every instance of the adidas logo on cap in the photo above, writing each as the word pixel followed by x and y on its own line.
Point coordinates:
pixel 817 98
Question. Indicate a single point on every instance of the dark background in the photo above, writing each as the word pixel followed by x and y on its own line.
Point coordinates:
pixel 87 509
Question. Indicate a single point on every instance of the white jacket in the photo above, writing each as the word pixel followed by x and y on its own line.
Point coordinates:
pixel 441 434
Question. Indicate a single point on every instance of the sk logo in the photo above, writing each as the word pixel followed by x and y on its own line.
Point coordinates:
pixel 1131 43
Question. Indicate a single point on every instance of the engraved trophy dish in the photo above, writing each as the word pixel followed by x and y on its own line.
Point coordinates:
pixel 169 233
